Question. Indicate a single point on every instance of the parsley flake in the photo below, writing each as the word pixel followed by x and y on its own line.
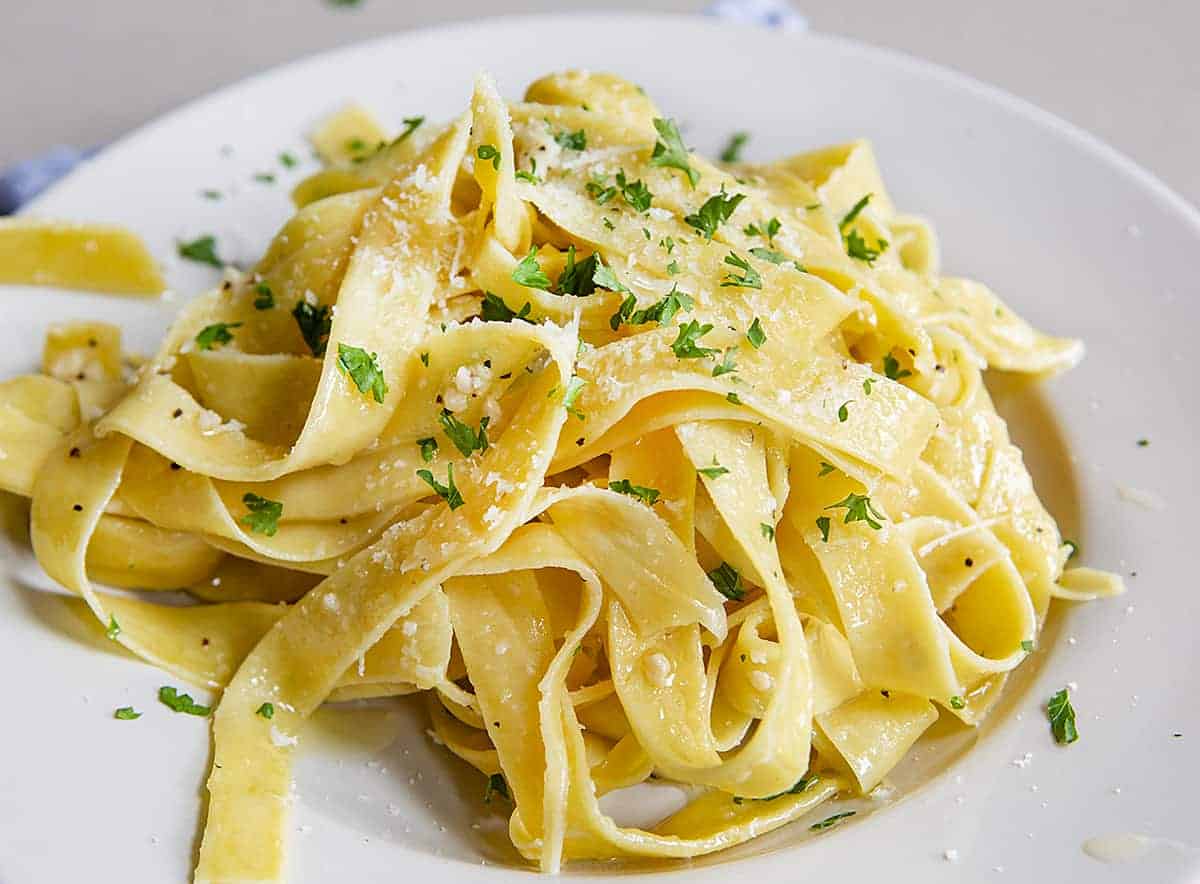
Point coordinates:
pixel 114 628
pixel 755 334
pixel 892 370
pixel 571 395
pixel 766 229
pixel 429 448
pixel 727 366
pixel 202 250
pixel 713 472
pixel 635 193
pixel 1027 646
pixel 669 150
pixel 529 272
pixel 582 278
pixel 126 713
pixel 728 582
pixel 646 495
pixel 448 492
pixel 288 160
pixel 494 309
pixel 264 514
pixel 464 438
pixel 266 710
pixel 489 152
pixel 856 247
pixel 314 323
pixel 734 398
pixel 849 217
pixel 1062 718
pixel 531 176
pixel 715 212
pixel 685 346
pixel 732 152
pixel 768 255
pixel 410 126
pixel 858 509
pixel 843 412
pixel 264 297
pixel 830 821
pixel 1074 548
pixel 216 334
pixel 749 278
pixel 576 140
pixel 801 784
pixel 823 525
pixel 867 383
pixel 767 529
pixel 363 368
pixel 826 469
pixel 662 311
pixel 178 702
pixel 957 703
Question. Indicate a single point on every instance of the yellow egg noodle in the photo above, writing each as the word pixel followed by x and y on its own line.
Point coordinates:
pixel 635 464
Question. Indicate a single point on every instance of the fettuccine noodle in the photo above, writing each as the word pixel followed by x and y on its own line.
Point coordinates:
pixel 635 464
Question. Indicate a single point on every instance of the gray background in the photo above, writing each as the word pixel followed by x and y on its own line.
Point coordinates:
pixel 84 71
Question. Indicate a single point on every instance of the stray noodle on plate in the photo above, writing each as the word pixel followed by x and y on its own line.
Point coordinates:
pixel 634 464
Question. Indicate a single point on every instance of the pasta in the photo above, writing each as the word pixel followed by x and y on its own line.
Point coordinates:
pixel 635 465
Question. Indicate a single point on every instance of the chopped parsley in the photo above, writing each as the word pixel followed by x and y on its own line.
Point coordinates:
pixel 858 509
pixel 1062 718
pixel 849 217
pixel 734 398
pixel 576 140
pixel 1074 548
pixel 410 126
pixel 582 278
pixel 830 821
pixel 216 334
pixel 843 412
pixel 635 193
pixel 202 250
pixel 733 148
pixel 489 152
pixel 494 309
pixel 126 713
pixel 1027 646
pixel 823 525
pixel 1142 443
pixel 264 297
pixel 801 784
pixel 727 365
pixel 755 334
pixel 749 278
pixel 600 190
pixel 266 710
pixel 856 247
pixel 571 395
pixel 531 176
pixel 715 212
pixel 529 273
pixel 957 703
pixel 448 492
pixel 867 384
pixel 892 370
pixel 768 255
pixel 661 312
pixel 685 346
pixel 766 229
pixel 288 160
pixel 363 368
pixel 114 628
pixel 264 177
pixel 264 514
pixel 728 582
pixel 713 472
pixel 210 194
pixel 826 469
pixel 669 150
pixel 496 785
pixel 178 702
pixel 314 323
pixel 425 358
pixel 768 530
pixel 429 448
pixel 464 438
pixel 646 495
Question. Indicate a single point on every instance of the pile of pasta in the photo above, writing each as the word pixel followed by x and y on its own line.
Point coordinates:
pixel 636 465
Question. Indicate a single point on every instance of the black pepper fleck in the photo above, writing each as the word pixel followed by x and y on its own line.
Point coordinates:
pixel 74 452
pixel 78 507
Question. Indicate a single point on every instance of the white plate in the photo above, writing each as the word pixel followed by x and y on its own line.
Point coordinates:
pixel 1074 236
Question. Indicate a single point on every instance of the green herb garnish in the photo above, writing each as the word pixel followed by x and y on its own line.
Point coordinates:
pixel 715 212
pixel 574 387
pixel 576 140
pixel 114 628
pixel 178 702
pixel 266 710
pixel 685 346
pixel 264 298
pixel 264 514
pixel 496 785
pixel 749 278
pixel 766 229
pixel 858 509
pixel 728 582
pixel 202 250
pixel 448 492
pixel 314 323
pixel 713 472
pixel 767 529
pixel 823 525
pixel 892 370
pixel 429 448
pixel 646 495
pixel 126 713
pixel 529 272
pixel 216 334
pixel 363 368
pixel 755 334
pixel 669 150
pixel 494 309
pixel 489 152
pixel 1062 718
pixel 464 438
pixel 831 821
pixel 733 149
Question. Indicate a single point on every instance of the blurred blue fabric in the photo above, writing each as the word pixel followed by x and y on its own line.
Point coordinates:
pixel 23 181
